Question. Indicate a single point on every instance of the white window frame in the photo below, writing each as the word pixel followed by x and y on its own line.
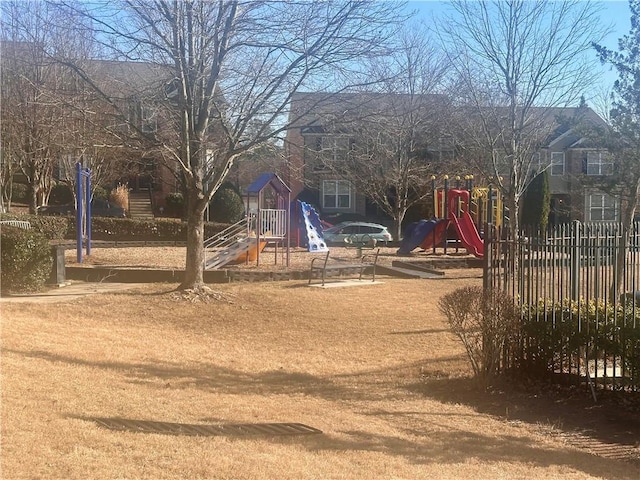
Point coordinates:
pixel 336 189
pixel 602 165
pixel 557 159
pixel 535 167
pixel 148 119
pixel 335 148
pixel 601 202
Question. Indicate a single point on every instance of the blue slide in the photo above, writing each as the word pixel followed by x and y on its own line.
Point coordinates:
pixel 414 235
pixel 312 228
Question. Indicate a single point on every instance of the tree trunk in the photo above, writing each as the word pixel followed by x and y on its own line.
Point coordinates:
pixel 194 265
pixel 33 199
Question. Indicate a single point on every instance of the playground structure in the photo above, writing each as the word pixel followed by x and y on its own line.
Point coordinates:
pixel 310 228
pixel 466 209
pixel 267 221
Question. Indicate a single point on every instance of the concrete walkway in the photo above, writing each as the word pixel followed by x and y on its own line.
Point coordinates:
pixel 71 291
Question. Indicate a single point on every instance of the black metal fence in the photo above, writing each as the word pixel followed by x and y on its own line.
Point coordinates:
pixel 578 290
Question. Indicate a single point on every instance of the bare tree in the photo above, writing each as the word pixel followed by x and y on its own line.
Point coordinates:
pixel 396 131
pixel 624 138
pixel 517 60
pixel 39 101
pixel 229 64
pixel 30 114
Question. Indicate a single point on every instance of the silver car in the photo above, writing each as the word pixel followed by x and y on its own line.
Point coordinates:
pixel 357 232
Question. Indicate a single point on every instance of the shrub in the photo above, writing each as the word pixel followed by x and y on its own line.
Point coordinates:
pixel 52 227
pixel 26 260
pixel 127 229
pixel 60 194
pixel 120 196
pixel 227 205
pixel 120 229
pixel 592 328
pixel 19 192
pixel 100 192
pixel 486 323
pixel 175 204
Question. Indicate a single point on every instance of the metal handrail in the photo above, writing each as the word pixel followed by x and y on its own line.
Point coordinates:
pixel 225 238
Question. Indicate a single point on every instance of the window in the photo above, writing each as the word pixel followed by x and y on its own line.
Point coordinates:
pixel 335 148
pixel 557 164
pixel 336 194
pixel 149 120
pixel 535 167
pixel 601 208
pixel 350 230
pixel 370 230
pixel 599 163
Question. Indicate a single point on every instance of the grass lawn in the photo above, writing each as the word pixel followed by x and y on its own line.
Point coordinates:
pixel 373 367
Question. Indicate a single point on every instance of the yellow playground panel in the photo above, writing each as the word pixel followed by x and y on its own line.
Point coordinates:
pixel 481 209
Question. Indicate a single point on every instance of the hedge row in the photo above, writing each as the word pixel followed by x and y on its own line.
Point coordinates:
pixel 550 330
pixel 120 229
pixel 54 228
pixel 126 229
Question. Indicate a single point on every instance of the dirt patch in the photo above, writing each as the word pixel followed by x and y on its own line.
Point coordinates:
pixel 271 259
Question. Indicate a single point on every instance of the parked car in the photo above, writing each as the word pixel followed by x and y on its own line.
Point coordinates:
pixel 99 208
pixel 357 232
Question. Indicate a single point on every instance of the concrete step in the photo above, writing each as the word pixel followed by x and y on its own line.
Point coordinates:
pixel 140 206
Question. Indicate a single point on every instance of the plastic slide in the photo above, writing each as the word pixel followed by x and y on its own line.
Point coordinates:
pixel 437 236
pixel 312 228
pixel 244 250
pixel 418 233
pixel 468 234
pixel 466 229
pixel 251 252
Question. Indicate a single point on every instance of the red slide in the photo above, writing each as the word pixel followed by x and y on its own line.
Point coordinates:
pixel 466 229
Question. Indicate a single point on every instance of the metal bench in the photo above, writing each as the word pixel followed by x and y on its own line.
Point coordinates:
pixel 327 264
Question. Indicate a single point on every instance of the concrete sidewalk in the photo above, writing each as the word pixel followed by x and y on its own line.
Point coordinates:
pixel 71 291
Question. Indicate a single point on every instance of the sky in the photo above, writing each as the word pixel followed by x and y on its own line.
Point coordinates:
pixel 614 12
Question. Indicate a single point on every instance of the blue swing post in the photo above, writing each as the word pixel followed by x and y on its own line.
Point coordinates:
pixel 83 198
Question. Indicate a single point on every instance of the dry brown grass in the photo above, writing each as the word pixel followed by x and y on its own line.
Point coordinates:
pixel 373 367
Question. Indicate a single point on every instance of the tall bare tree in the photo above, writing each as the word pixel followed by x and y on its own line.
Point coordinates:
pixel 229 64
pixel 396 127
pixel 516 61
pixel 625 121
pixel 31 113
pixel 38 96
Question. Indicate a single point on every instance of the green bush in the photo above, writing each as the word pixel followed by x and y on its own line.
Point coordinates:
pixel 174 203
pixel 26 260
pixel 114 229
pixel 52 227
pixel 19 192
pixel 552 329
pixel 100 193
pixel 60 194
pixel 227 205
pixel 160 229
